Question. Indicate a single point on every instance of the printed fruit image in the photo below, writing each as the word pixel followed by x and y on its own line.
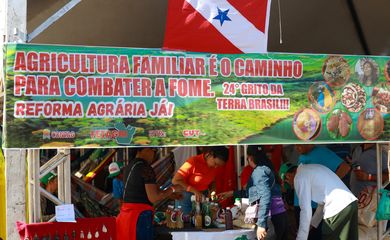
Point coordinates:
pixel 339 124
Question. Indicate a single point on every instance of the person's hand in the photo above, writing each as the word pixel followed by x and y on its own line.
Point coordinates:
pixel 361 175
pixel 178 188
pixel 198 195
pixel 261 233
pixel 224 195
pixel 176 196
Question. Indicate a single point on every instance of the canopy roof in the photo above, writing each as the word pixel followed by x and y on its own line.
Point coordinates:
pixel 307 26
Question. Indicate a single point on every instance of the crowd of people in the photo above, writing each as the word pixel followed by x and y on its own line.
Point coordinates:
pixel 320 184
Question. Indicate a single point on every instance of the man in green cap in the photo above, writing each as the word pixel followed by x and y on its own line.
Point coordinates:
pixel 49 183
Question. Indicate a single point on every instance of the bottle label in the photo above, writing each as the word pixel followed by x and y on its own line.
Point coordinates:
pixel 207 221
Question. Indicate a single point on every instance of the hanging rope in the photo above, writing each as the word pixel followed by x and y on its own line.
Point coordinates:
pixel 280 24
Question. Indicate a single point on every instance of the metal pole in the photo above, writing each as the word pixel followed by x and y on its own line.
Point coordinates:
pixel 379 184
pixel 238 165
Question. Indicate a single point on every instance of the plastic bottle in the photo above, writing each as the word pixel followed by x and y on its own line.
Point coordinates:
pixel 214 211
pixel 174 217
pixel 228 219
pixel 207 217
pixel 193 211
pixel 179 218
pixel 198 217
pixel 168 214
pixel 237 202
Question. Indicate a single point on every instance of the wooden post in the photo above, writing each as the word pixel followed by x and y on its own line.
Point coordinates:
pixel 64 178
pixel 13 29
pixel 15 173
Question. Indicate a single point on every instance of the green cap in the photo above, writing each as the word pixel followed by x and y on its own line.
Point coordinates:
pixel 284 169
pixel 115 169
pixel 46 179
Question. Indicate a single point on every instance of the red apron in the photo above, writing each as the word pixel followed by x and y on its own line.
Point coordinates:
pixel 126 222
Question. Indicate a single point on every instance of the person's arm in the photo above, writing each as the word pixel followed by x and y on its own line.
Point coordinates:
pixel 261 180
pixel 364 176
pixel 155 194
pixel 235 194
pixel 153 191
pixel 317 216
pixel 343 170
pixel 179 180
pixel 212 187
pixel 303 191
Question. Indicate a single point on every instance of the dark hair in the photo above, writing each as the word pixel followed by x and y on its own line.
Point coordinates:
pixel 260 159
pixel 218 152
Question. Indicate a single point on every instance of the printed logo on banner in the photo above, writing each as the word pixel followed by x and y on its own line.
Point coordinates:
pixel 122 134
pixel 192 133
pixel 107 134
pixel 157 133
pixel 48 134
pixel 130 133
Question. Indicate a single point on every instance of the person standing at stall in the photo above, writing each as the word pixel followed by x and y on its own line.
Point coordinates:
pixel 197 174
pixel 365 172
pixel 50 183
pixel 314 154
pixel 135 220
pixel 115 171
pixel 337 206
pixel 264 186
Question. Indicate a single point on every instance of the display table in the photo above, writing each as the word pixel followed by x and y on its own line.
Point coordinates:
pixel 85 228
pixel 214 234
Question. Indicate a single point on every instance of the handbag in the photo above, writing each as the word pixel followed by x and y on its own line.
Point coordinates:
pixel 383 210
pixel 251 213
pixel 367 206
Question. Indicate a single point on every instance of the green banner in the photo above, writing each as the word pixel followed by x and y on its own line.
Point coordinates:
pixel 76 96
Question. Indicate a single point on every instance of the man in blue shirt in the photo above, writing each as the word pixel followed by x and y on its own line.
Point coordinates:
pixel 117 183
pixel 314 154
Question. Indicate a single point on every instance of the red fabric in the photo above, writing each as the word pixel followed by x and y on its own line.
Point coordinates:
pixel 186 29
pixel 197 173
pixel 227 178
pixel 274 153
pixel 245 175
pixel 87 225
pixel 126 222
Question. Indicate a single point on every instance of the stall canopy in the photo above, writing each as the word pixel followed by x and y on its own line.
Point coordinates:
pixel 74 96
pixel 333 26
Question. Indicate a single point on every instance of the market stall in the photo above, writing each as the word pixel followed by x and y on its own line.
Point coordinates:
pixel 145 105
